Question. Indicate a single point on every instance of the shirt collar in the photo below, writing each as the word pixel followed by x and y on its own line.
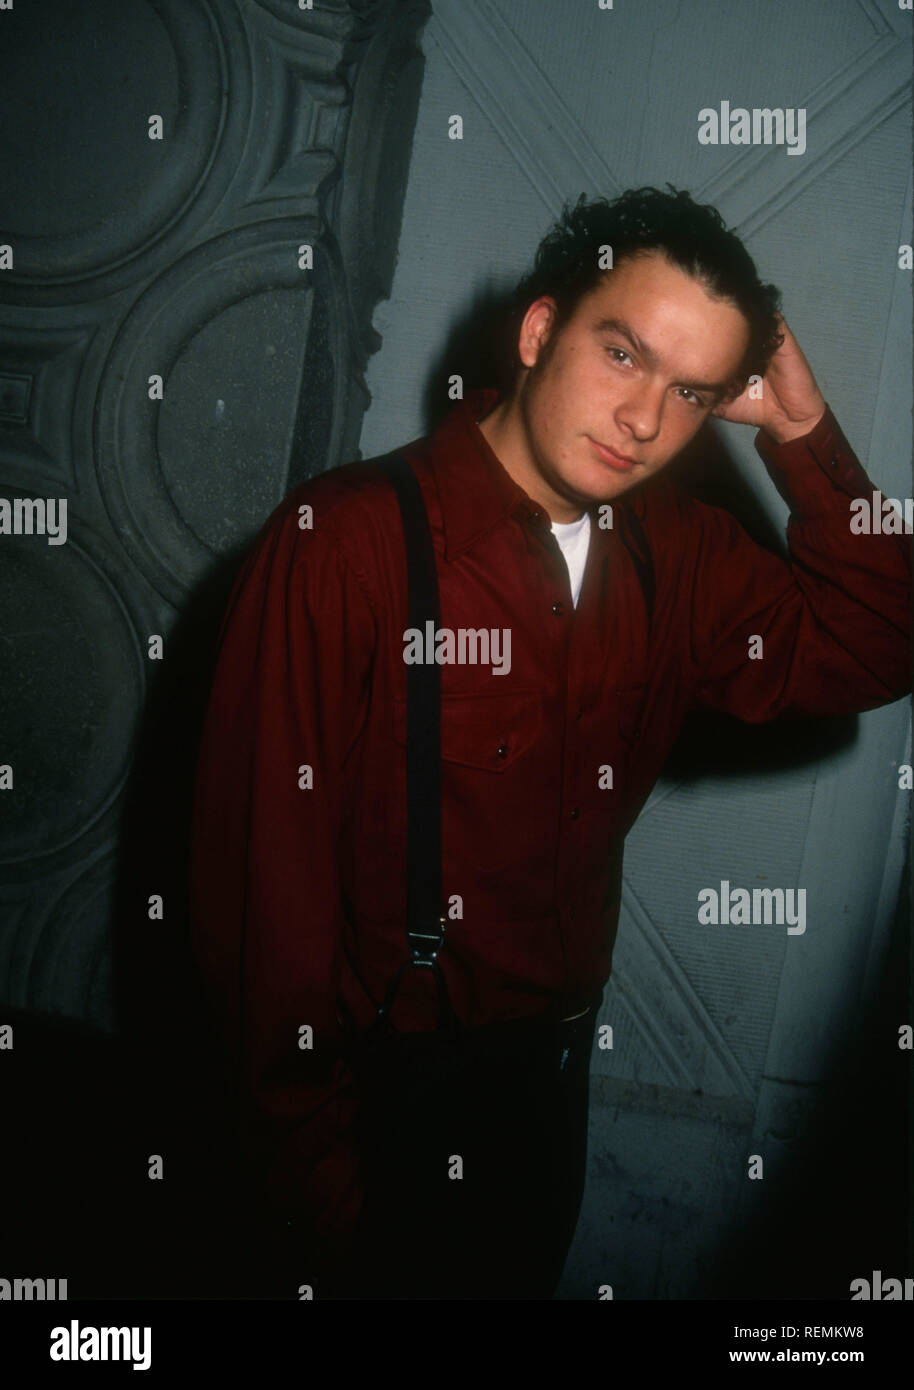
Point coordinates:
pixel 475 489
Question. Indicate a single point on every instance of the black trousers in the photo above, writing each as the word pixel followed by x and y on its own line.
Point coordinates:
pixel 474 1153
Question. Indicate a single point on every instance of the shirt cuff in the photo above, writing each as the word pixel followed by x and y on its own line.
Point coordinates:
pixel 816 471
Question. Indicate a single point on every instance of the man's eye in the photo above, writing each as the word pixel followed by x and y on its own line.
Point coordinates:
pixel 616 353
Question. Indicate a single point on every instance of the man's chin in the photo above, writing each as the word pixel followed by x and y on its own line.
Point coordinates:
pixel 609 491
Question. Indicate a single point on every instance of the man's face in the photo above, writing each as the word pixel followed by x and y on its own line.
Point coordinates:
pixel 641 363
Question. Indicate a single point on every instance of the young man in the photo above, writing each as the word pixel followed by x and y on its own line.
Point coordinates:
pixel 599 639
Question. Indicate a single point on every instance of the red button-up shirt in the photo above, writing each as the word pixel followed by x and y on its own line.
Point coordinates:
pixel 299 887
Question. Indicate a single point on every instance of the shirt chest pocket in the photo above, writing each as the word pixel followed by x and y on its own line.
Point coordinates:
pixel 495 767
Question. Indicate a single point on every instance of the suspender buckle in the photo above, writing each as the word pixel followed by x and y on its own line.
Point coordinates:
pixel 425 945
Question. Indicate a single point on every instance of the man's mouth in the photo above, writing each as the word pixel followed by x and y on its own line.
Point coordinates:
pixel 619 461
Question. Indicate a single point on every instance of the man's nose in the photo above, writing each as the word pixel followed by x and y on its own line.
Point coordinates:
pixel 640 412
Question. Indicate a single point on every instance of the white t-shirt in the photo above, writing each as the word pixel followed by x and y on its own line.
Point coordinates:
pixel 574 539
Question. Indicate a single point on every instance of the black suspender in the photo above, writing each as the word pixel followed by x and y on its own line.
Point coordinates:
pixel 424 918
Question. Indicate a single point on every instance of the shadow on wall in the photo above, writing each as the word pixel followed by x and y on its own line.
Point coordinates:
pixel 92 1111
pixel 843 1206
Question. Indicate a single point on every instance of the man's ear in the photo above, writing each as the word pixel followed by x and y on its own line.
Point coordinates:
pixel 536 329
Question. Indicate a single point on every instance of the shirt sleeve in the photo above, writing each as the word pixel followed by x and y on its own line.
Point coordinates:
pixel 290 689
pixel 834 617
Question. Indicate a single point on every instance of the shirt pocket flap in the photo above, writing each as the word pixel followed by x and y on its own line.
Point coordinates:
pixel 490 732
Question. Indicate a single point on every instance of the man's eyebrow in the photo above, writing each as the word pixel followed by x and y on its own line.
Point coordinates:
pixel 650 357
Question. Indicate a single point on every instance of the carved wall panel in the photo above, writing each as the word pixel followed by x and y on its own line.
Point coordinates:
pixel 136 255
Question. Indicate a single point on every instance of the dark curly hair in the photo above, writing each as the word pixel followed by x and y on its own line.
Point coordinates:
pixel 692 235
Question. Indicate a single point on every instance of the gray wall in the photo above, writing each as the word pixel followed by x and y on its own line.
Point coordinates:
pixel 725 1045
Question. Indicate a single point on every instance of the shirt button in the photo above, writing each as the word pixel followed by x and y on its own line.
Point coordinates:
pixel 571 913
pixel 575 812
pixel 558 608
pixel 502 750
